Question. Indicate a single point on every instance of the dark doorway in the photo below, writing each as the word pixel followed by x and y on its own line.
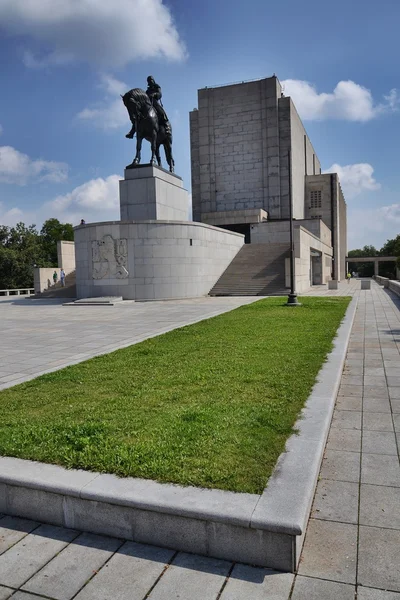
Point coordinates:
pixel 241 228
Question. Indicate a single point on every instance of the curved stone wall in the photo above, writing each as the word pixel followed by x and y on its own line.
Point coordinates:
pixel 151 260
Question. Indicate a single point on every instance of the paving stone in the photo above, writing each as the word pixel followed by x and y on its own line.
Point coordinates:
pixel 378 562
pixel 395 404
pixel 336 501
pixel 191 576
pixel 341 466
pixel 378 405
pixel 349 403
pixel 375 392
pixel 380 469
pixel 377 421
pixel 375 380
pixel 373 363
pixel 394 392
pixel 393 381
pixel 351 390
pixel 25 596
pixel 31 553
pixel 66 574
pixel 344 439
pixel 379 442
pixel 352 380
pixel 364 593
pixel 5 592
pixel 257 584
pixel 373 371
pixel 308 588
pixel 380 506
pixel 346 419
pixel 396 420
pixel 392 371
pixel 129 575
pixel 330 551
pixel 13 529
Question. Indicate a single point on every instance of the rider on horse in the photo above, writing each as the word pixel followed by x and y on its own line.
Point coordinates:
pixel 155 94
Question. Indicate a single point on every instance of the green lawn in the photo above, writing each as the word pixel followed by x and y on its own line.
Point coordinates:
pixel 211 404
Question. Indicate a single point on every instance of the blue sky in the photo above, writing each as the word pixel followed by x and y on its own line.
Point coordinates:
pixel 64 63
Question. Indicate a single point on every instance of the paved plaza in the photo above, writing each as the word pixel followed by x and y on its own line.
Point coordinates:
pixel 352 545
pixel 38 336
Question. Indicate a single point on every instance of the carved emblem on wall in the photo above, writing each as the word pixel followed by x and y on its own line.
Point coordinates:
pixel 110 258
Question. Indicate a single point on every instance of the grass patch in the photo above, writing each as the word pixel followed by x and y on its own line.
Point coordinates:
pixel 211 404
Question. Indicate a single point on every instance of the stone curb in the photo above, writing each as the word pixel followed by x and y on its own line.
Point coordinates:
pixel 266 530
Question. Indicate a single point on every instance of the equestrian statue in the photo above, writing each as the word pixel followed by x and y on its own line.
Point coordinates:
pixel 150 122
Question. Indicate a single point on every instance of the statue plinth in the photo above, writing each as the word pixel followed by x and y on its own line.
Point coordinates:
pixel 150 193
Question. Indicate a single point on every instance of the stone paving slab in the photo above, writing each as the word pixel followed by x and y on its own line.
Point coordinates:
pixel 48 331
pixel 129 575
pixel 32 553
pixel 68 572
pixel 308 588
pixel 256 583
pixel 194 577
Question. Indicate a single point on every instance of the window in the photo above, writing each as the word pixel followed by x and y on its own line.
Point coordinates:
pixel 316 199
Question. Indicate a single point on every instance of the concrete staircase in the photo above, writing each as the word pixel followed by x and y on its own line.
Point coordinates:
pixel 58 291
pixel 257 270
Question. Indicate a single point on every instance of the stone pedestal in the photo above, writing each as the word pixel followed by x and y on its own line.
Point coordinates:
pixel 150 193
pixel 333 284
pixel 365 284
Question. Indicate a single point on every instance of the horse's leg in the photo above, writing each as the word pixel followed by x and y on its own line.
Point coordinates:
pixel 158 157
pixel 139 140
pixel 168 155
pixel 153 147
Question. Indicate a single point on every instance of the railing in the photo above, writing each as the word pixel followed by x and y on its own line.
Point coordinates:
pixel 19 292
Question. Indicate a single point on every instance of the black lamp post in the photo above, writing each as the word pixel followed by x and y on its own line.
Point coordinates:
pixel 292 297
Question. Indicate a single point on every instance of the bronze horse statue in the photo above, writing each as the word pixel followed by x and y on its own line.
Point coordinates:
pixel 147 125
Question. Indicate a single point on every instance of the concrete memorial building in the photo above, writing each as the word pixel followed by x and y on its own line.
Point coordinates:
pixel 240 138
pixel 238 242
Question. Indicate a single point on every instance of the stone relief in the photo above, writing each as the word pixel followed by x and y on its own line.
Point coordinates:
pixel 110 258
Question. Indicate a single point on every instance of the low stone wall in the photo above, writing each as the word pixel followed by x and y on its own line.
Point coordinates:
pixel 394 286
pixel 66 256
pixel 151 260
pixel 43 278
pixel 382 281
pixel 391 284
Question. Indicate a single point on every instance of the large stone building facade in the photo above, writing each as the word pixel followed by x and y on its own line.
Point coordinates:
pixel 241 136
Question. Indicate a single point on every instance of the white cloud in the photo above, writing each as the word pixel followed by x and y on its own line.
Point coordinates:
pixel 10 217
pixel 372 226
pixel 355 178
pixel 19 168
pixel 95 200
pixel 111 112
pixel 348 101
pixel 96 31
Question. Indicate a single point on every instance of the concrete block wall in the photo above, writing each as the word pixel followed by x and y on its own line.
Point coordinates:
pixel 235 148
pixel 66 256
pixel 43 278
pixel 305 241
pixel 149 193
pixel 165 259
pixel 240 138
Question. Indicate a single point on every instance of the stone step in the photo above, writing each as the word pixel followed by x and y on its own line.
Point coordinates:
pixel 257 269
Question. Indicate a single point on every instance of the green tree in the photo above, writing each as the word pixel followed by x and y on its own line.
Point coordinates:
pixel 20 250
pixel 52 232
pixel 390 248
pixel 363 269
